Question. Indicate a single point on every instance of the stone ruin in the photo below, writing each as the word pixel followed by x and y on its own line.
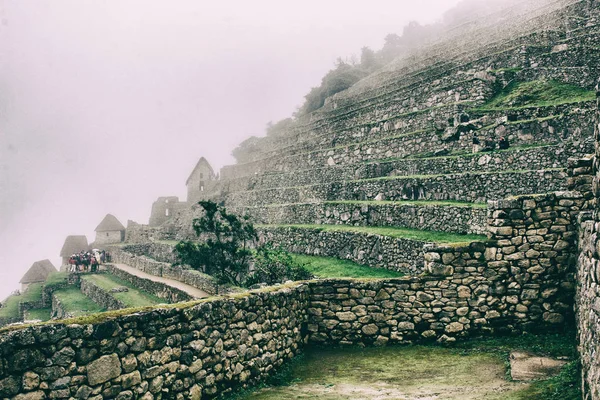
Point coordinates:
pixel 394 150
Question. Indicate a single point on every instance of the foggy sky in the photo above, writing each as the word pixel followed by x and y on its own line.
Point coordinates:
pixel 107 105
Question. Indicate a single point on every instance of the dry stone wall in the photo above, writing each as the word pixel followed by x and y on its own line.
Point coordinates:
pixel 208 349
pixel 588 287
pixel 100 296
pixel 195 352
pixel 467 187
pixel 161 269
pixel 545 157
pixel 368 249
pixel 441 218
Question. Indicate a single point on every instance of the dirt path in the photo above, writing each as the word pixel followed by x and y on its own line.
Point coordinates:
pixel 192 291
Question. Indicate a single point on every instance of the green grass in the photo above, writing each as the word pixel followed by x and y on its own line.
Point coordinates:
pixel 470 369
pixel 11 304
pixel 404 233
pixel 76 303
pixel 449 203
pixel 329 267
pixel 10 307
pixel 56 278
pixel 132 298
pixel 42 314
pixel 538 93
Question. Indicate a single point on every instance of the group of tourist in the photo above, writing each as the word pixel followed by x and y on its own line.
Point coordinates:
pixel 86 261
pixel 489 144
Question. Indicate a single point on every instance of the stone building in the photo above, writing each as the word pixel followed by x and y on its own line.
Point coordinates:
pixel 38 272
pixel 164 208
pixel 73 244
pixel 109 231
pixel 200 181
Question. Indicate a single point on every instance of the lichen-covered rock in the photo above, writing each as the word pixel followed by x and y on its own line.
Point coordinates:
pixel 103 369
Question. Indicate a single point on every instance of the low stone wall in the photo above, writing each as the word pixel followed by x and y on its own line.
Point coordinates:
pixel 25 306
pixel 368 249
pixel 191 277
pixel 441 218
pixel 58 311
pixel 100 296
pixel 160 290
pixel 158 251
pixel 195 352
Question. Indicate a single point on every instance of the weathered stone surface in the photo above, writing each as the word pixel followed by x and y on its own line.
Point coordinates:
pixel 103 369
pixel 526 366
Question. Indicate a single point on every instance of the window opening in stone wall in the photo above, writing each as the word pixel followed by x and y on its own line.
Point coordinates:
pixel 167 212
pixel 202 186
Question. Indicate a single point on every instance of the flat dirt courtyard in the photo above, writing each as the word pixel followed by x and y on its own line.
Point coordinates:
pixel 415 372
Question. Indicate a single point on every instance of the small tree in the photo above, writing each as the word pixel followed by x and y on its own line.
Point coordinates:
pixel 275 266
pixel 225 249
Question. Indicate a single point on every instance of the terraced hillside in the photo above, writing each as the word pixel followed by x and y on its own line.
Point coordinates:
pixel 393 156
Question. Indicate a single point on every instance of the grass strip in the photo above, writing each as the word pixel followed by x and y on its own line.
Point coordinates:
pixel 395 232
pixel 329 267
pixel 134 297
pixel 76 303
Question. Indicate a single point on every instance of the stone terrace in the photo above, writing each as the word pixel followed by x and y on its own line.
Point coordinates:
pixel 394 151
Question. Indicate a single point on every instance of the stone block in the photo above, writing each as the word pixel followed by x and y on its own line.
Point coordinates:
pixel 103 369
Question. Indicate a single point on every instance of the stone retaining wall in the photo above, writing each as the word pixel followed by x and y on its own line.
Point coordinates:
pixel 377 251
pixel 461 187
pixel 100 296
pixel 551 156
pixel 588 284
pixel 441 218
pixel 194 353
pixel 158 289
pixel 162 252
pixel 183 274
pixel 208 349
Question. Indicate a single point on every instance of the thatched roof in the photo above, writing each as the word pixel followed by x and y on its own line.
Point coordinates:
pixel 74 244
pixel 38 272
pixel 110 223
pixel 200 163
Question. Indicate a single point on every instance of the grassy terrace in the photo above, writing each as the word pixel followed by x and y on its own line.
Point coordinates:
pixel 328 267
pixel 11 304
pixel 448 203
pixel 518 95
pixel 42 314
pixel 402 233
pixel 424 203
pixel 76 303
pixel 466 154
pixel 132 298
pixel 400 177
